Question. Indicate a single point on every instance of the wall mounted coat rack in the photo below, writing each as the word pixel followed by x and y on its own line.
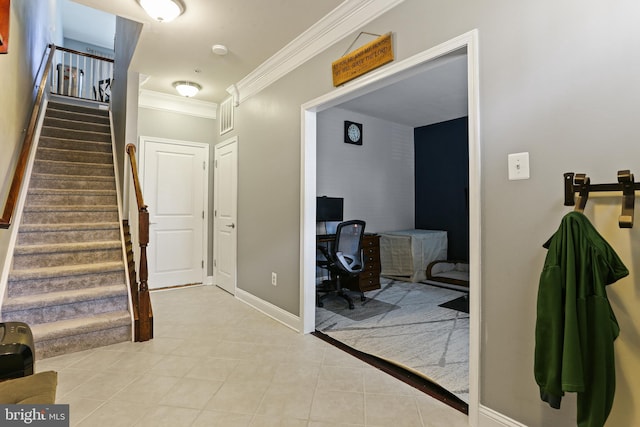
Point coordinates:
pixel 581 184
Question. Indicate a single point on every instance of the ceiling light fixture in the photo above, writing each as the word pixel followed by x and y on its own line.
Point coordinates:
pixel 187 88
pixel 219 49
pixel 163 10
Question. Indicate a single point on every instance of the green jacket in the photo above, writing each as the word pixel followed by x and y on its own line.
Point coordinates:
pixel 576 327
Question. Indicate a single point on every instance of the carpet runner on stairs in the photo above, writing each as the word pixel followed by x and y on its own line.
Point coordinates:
pixel 67 279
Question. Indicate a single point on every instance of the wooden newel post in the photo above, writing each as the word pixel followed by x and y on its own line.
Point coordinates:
pixel 146 327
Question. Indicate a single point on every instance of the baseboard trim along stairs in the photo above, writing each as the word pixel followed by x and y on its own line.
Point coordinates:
pixel 67 277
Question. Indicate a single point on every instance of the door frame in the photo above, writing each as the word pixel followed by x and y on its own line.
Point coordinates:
pixel 205 188
pixel 371 82
pixel 232 140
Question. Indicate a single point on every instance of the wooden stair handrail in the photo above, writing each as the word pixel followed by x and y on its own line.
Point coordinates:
pixel 88 55
pixel 144 328
pixel 27 143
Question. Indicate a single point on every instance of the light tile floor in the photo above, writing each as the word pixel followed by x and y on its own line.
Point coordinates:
pixel 215 361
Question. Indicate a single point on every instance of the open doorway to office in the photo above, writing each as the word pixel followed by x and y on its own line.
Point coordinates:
pixel 373 86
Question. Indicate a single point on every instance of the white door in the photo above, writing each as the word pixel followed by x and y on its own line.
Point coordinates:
pixel 174 181
pixel 225 194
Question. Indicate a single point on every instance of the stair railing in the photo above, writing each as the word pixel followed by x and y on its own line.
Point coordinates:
pixel 27 143
pixel 82 75
pixel 140 294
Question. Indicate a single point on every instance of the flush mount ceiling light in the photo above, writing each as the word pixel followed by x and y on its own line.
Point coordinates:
pixel 187 88
pixel 219 49
pixel 163 10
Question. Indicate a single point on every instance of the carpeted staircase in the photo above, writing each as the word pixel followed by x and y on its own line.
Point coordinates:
pixel 67 279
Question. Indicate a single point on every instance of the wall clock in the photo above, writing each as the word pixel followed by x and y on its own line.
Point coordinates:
pixel 352 132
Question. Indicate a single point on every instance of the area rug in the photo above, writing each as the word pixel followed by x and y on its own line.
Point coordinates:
pixel 414 331
pixel 460 304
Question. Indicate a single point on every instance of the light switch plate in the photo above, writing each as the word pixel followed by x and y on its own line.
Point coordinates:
pixel 518 166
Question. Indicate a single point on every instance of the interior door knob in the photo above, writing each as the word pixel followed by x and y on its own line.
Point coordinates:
pixel 232 225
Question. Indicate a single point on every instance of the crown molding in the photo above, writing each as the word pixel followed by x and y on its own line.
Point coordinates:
pixel 336 25
pixel 177 104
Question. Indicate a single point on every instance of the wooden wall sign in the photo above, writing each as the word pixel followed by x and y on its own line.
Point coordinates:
pixel 4 25
pixel 362 60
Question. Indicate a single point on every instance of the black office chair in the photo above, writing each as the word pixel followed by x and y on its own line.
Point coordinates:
pixel 343 258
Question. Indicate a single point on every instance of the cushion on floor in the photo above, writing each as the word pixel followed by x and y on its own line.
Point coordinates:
pixel 38 389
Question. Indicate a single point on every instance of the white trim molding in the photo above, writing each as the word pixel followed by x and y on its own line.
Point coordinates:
pixel 491 418
pixel 269 309
pixel 336 25
pixel 177 104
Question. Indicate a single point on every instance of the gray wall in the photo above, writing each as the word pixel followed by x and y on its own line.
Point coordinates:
pixel 376 179
pixel 30 24
pixel 124 107
pixel 557 79
pixel 170 125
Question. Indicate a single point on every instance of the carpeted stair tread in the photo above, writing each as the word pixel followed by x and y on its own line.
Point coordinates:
pixel 68 143
pixel 66 247
pixel 74 192
pixel 83 135
pixel 57 105
pixel 63 163
pixel 65 191
pixel 82 325
pixel 72 208
pixel 66 270
pixel 87 117
pixel 73 155
pixel 75 124
pixel 47 180
pixel 55 177
pixel 62 297
pixel 32 228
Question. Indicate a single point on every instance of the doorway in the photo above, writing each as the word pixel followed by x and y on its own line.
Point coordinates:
pixel 366 85
pixel 225 199
pixel 174 181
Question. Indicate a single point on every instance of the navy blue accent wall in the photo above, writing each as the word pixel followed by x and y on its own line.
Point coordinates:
pixel 442 182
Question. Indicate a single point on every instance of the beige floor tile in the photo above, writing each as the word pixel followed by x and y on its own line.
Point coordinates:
pixel 191 393
pixel 338 407
pixel 391 410
pixel 69 379
pixel 241 398
pixel 147 389
pixel 341 379
pixel 222 419
pixel 287 402
pixel 214 369
pixel 376 381
pixel 249 370
pixel 101 386
pixel 101 357
pixel 174 366
pixel 80 408
pixel 168 416
pixel 298 373
pixel 437 414
pixel 115 414
pixel 273 421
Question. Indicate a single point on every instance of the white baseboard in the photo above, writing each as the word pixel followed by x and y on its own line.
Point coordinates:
pixel 208 280
pixel 276 313
pixel 490 418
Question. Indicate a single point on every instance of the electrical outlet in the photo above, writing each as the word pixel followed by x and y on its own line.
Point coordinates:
pixel 274 279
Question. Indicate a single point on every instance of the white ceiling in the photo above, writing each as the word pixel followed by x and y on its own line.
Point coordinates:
pixel 253 31
pixel 436 92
